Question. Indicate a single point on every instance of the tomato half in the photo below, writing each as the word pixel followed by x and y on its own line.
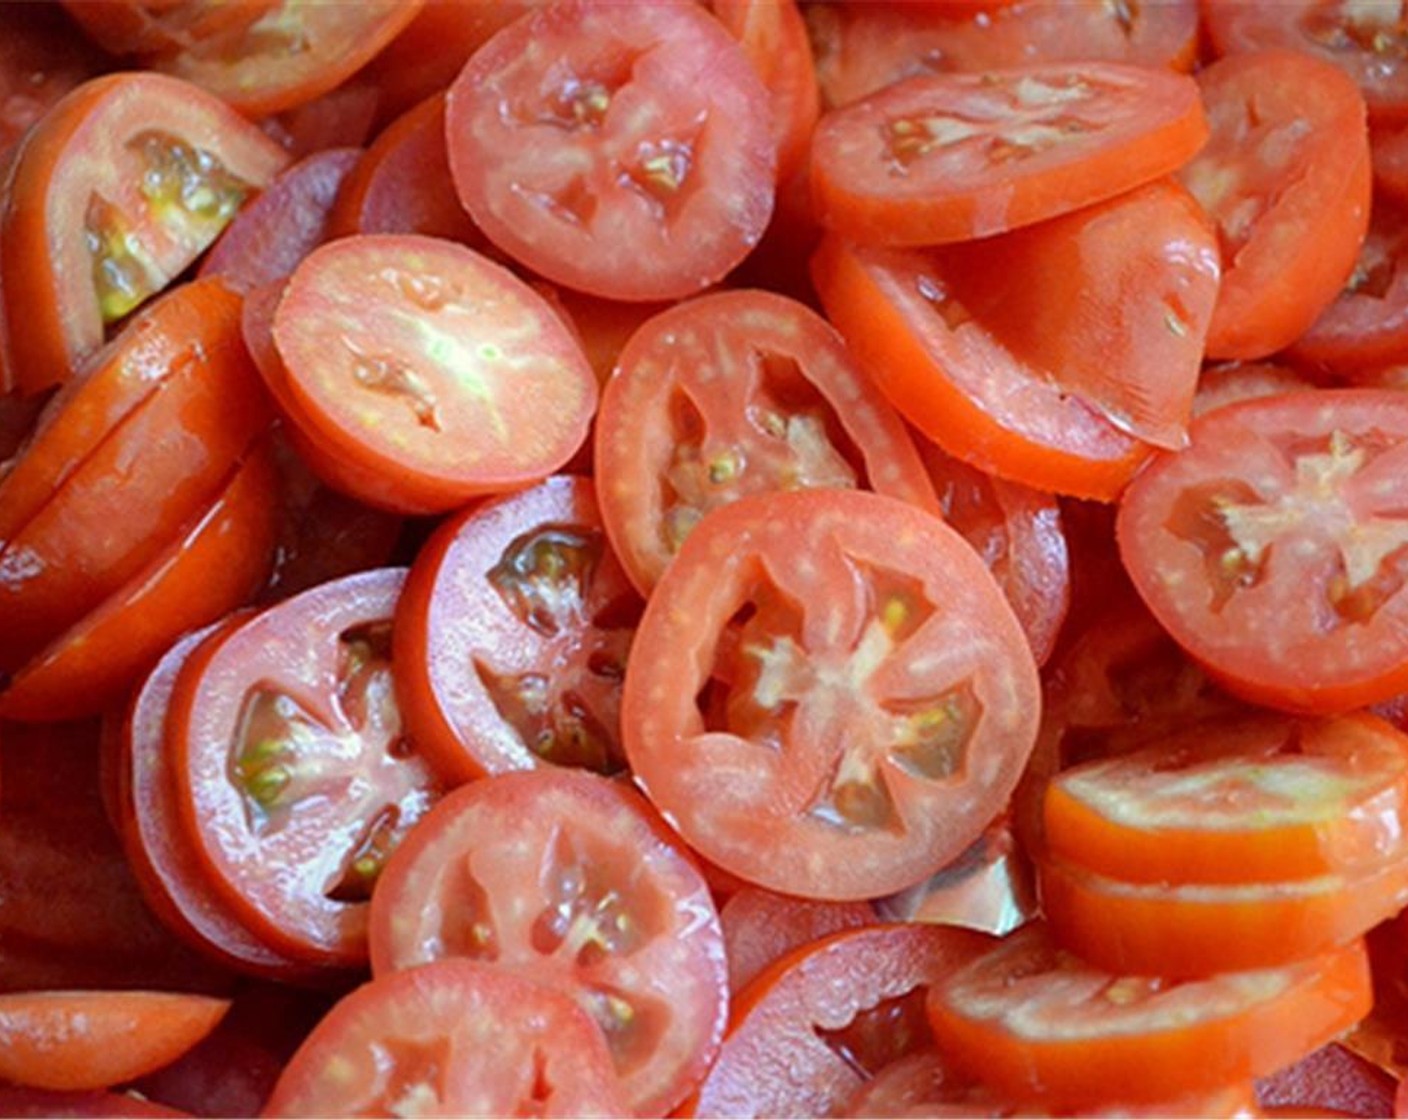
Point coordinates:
pixel 1274 550
pixel 626 151
pixel 121 186
pixel 1040 1026
pixel 957 156
pixel 511 637
pixel 289 753
pixel 452 1038
pixel 828 694
pixel 435 370
pixel 571 879
pixel 730 394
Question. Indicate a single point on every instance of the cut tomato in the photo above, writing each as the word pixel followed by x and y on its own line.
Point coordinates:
pixel 828 694
pixel 957 156
pixel 571 879
pixel 1229 382
pixel 1274 549
pixel 1040 1026
pixel 512 636
pixel 626 151
pixel 41 59
pixel 123 184
pixel 761 927
pixel 730 394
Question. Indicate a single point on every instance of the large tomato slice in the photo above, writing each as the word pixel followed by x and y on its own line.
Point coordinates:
pixel 828 694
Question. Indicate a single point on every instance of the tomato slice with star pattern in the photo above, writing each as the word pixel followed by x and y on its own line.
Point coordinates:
pixel 828 694
pixel 1275 548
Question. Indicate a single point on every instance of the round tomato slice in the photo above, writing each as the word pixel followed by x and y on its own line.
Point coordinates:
pixel 828 695
pixel 511 637
pixel 428 363
pixel 761 927
pixel 1286 176
pixel 809 1031
pixel 1198 929
pixel 623 150
pixel 1266 799
pixel 117 190
pixel 1275 550
pixel 1227 383
pixel 571 879
pixel 452 1038
pixel 294 779
pixel 1038 1025
pixel 730 394
pixel 957 156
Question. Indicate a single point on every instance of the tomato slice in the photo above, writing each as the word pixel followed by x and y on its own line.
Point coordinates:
pixel 571 879
pixel 623 151
pixel 451 1038
pixel 1332 1081
pixel 761 927
pixel 216 562
pixel 1274 551
pixel 1286 176
pixel 428 363
pixel 267 239
pixel 1268 799
pixel 513 632
pixel 47 1104
pixel 958 384
pixel 1039 1025
pixel 41 59
pixel 289 753
pixel 285 53
pixel 730 394
pixel 957 156
pixel 90 1040
pixel 828 694
pixel 1199 929
pixel 144 26
pixel 122 185
pixel 1227 383
pixel 813 1027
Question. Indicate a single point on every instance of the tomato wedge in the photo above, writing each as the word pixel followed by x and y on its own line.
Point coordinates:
pixel 957 156
pixel 1040 1026
pixel 121 186
pixel 623 150
pixel 828 694
pixel 571 879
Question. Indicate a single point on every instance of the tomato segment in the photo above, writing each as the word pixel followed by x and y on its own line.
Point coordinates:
pixel 838 728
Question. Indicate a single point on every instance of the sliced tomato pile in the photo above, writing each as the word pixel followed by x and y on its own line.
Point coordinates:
pixel 730 558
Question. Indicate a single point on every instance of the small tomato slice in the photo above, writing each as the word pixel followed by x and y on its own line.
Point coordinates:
pixel 828 694
pixel 452 1038
pixel 626 151
pixel 40 60
pixel 120 187
pixel 571 879
pixel 737 393
pixel 431 365
pixel 1227 383
pixel 1040 1026
pixel 762 926
pixel 289 754
pixel 957 156
pixel 512 634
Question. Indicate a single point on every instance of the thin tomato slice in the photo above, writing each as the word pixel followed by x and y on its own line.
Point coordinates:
pixel 429 364
pixel 294 778
pixel 452 1038
pixel 92 1040
pixel 120 187
pixel 1040 1026
pixel 1275 550
pixel 626 151
pixel 571 879
pixel 762 926
pixel 954 157
pixel 41 59
pixel 1286 176
pixel 813 1027
pixel 730 394
pixel 1197 929
pixel 1266 799
pixel 1227 383
pixel 958 384
pixel 512 635
pixel 143 26
pixel 828 694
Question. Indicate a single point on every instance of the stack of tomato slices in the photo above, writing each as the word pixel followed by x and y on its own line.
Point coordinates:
pixel 740 558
